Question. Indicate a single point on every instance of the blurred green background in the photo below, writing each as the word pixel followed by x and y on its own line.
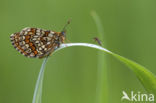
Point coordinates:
pixel 71 74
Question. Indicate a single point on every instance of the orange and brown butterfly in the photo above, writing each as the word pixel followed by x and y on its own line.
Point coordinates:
pixel 36 42
pixel 98 41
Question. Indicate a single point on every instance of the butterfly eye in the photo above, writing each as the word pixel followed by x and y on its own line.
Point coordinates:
pixel 63 33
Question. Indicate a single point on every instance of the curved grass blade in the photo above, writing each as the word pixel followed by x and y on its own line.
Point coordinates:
pixel 147 78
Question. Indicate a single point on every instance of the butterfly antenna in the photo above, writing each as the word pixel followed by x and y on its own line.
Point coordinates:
pixel 64 28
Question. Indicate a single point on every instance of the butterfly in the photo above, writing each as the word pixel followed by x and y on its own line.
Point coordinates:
pixel 36 42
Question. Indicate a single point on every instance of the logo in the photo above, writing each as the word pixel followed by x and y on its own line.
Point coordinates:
pixel 137 96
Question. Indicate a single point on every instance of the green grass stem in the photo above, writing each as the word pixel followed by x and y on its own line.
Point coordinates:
pixel 102 93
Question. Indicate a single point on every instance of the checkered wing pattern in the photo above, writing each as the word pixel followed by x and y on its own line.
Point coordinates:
pixel 35 42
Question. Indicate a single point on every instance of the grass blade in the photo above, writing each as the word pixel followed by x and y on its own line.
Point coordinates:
pixel 102 80
pixel 37 98
pixel 147 78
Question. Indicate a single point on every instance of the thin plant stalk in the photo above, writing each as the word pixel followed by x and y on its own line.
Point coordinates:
pixel 102 80
pixel 37 98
